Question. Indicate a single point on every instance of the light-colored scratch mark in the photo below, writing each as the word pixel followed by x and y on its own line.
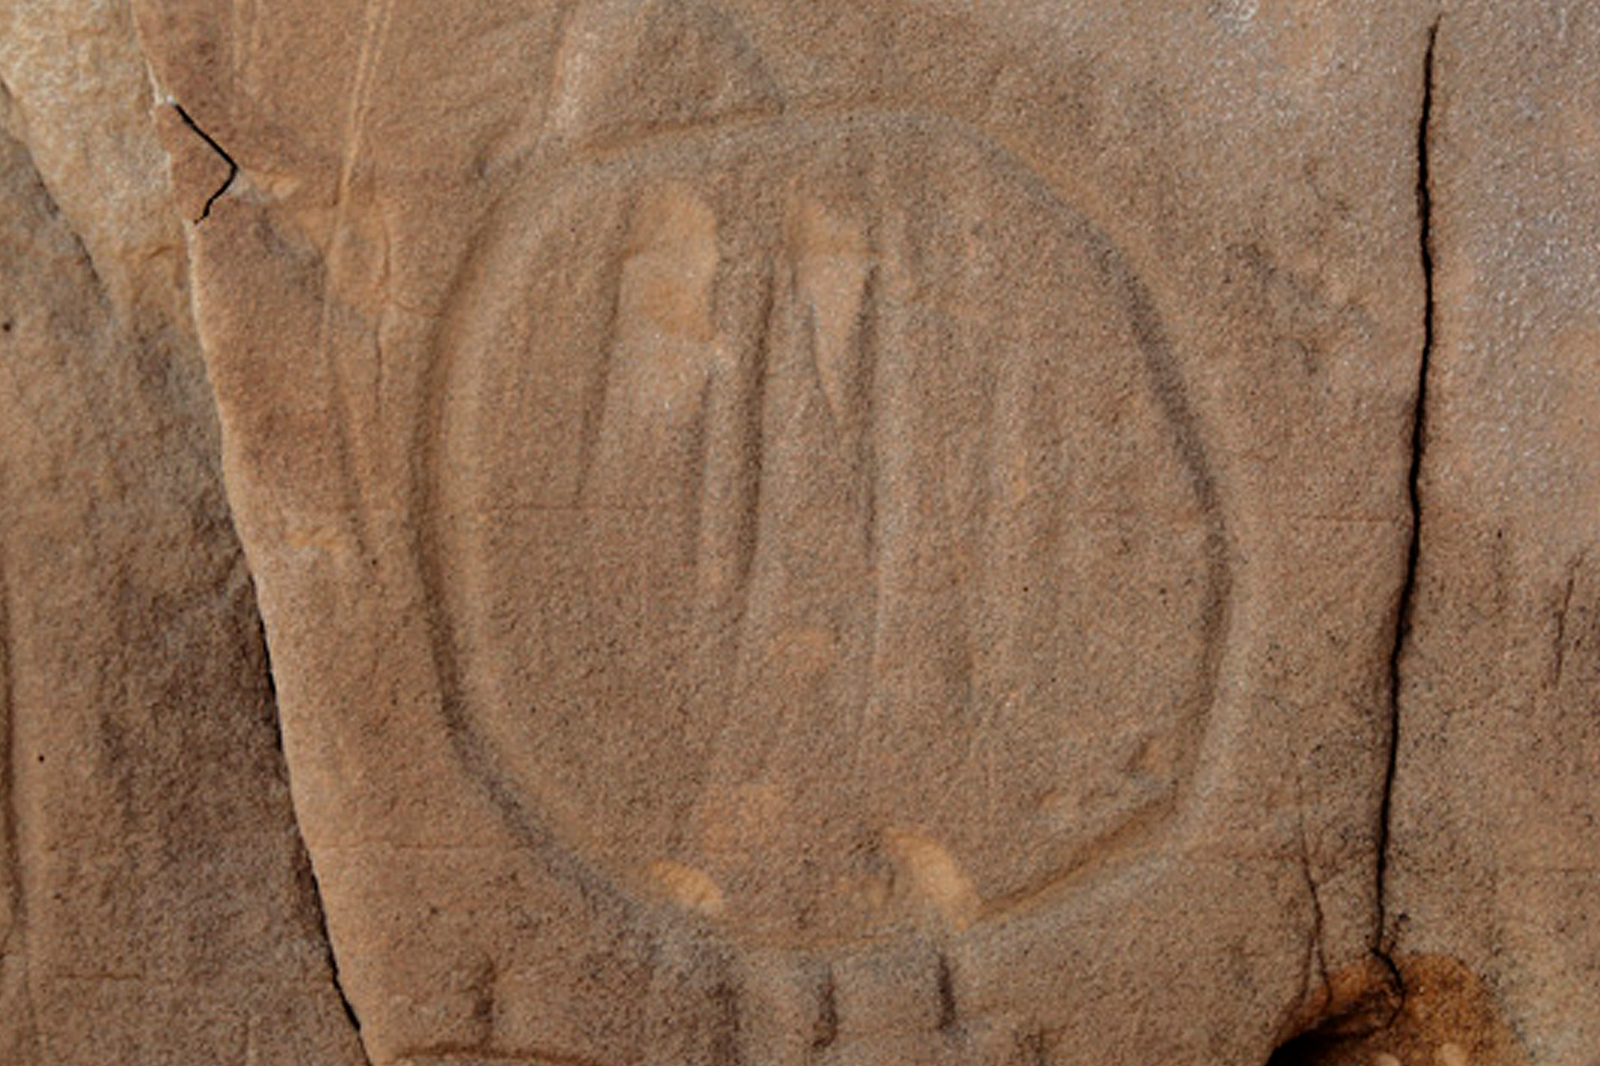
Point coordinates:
pixel 385 288
pixel 379 15
pixel 568 68
pixel 934 876
pixel 689 887
pixel 560 63
pixel 831 266
pixel 882 425
pixel 670 270
pixel 247 45
pixel 238 35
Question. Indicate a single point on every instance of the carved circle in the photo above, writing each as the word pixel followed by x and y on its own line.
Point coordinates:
pixel 819 535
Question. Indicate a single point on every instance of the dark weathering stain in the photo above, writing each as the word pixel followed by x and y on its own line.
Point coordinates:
pixel 827 1027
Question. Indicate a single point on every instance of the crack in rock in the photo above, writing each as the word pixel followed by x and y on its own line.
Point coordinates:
pixel 233 167
pixel 1406 602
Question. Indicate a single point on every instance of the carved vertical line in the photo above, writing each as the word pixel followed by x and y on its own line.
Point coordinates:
pixel 597 399
pixel 753 396
pixel 378 14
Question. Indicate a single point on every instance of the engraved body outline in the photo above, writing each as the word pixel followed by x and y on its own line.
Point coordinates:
pixel 487 765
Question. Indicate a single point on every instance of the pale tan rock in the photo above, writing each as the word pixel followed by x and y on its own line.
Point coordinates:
pixel 852 533
pixel 157 907
pixel 1496 855
pixel 82 95
pixel 841 533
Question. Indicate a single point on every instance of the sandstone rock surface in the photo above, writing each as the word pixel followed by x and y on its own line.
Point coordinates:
pixel 1497 804
pixel 157 904
pixel 840 533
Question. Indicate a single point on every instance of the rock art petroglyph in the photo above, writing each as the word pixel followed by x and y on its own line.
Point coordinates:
pixel 753 533
pixel 765 520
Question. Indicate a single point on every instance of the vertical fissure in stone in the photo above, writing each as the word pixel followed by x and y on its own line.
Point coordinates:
pixel 313 889
pixel 1406 601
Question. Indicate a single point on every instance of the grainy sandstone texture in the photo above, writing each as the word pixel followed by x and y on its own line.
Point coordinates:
pixel 157 904
pixel 1034 532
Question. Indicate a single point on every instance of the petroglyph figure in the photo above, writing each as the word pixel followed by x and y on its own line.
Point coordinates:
pixel 827 560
